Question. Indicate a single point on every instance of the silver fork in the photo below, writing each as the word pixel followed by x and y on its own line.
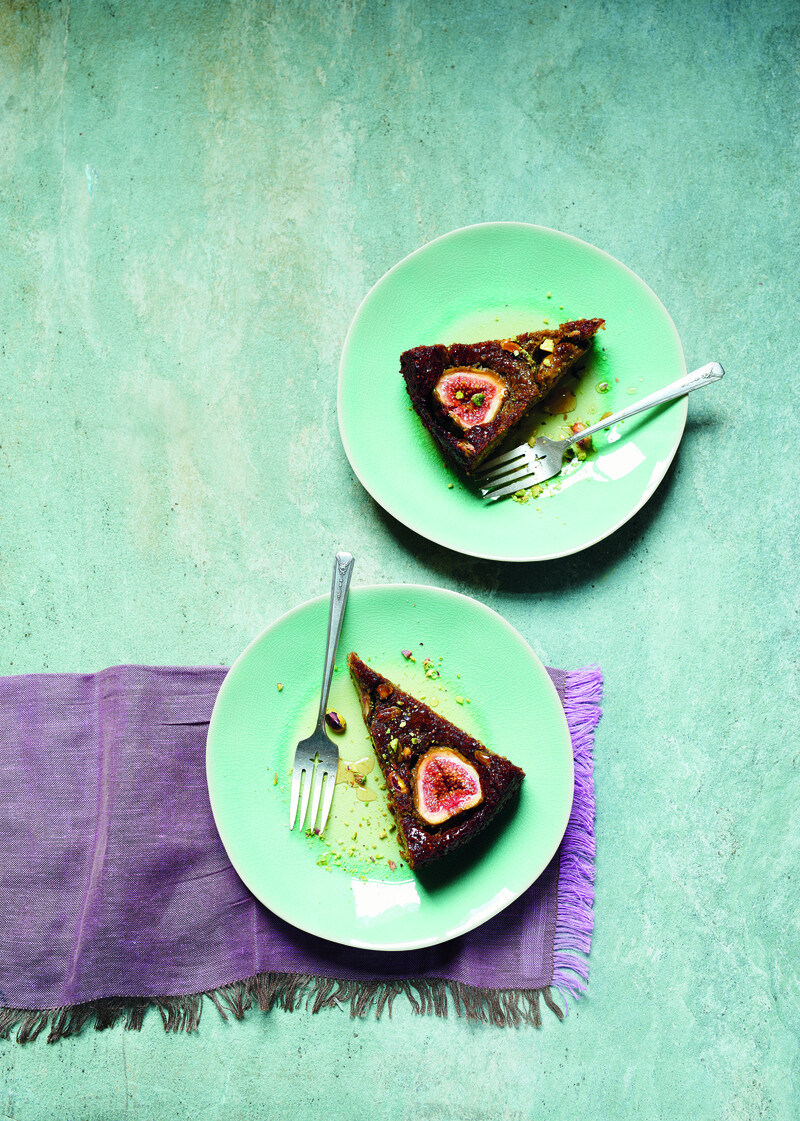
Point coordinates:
pixel 317 754
pixel 528 465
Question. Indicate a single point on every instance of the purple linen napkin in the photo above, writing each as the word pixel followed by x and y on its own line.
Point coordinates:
pixel 116 893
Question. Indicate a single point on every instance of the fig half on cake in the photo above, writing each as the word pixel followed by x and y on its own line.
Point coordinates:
pixel 469 396
pixel 443 785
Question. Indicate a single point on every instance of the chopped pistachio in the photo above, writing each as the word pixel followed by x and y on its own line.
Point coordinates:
pixel 477 398
pixel 280 686
pixel 459 700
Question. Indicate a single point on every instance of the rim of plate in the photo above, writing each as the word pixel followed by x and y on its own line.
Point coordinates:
pixel 402 518
pixel 463 928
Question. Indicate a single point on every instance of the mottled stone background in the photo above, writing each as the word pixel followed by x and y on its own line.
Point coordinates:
pixel 194 198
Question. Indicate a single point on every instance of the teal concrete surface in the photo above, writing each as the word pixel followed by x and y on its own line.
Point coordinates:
pixel 194 198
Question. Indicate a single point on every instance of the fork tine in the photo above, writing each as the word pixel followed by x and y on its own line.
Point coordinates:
pixel 527 479
pixel 318 777
pixel 306 774
pixel 487 470
pixel 507 469
pixel 326 802
pixel 297 774
pixel 498 459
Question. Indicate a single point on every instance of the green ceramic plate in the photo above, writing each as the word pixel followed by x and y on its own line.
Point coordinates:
pixel 351 886
pixel 492 281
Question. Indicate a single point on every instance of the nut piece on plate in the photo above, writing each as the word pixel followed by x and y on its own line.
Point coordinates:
pixel 335 722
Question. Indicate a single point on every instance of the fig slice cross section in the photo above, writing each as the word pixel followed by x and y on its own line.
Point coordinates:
pixel 443 785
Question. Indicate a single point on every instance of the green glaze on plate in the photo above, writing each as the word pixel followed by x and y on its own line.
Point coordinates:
pixel 493 281
pixel 342 887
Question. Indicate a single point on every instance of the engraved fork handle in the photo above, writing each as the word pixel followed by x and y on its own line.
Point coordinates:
pixel 340 586
pixel 696 380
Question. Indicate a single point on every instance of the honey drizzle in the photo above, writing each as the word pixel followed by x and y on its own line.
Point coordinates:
pixel 350 770
pixel 564 401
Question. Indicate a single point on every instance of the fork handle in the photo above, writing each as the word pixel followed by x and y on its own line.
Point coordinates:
pixel 696 380
pixel 342 572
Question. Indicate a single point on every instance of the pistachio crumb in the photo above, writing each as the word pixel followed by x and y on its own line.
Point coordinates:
pixel 280 686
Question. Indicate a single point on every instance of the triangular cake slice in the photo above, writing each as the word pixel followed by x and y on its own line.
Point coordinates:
pixel 443 785
pixel 469 396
